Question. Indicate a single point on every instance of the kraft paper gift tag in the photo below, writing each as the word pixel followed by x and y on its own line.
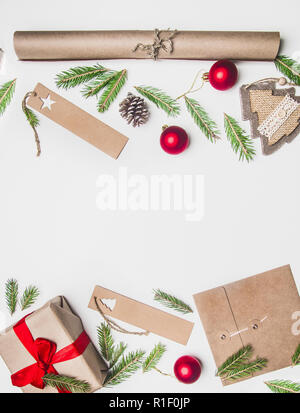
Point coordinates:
pixel 77 121
pixel 141 315
pixel 261 310
pixel 57 322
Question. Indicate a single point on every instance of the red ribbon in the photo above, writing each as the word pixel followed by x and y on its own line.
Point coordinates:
pixel 45 354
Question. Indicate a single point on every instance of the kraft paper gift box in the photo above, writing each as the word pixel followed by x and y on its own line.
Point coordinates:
pixel 55 321
pixel 261 310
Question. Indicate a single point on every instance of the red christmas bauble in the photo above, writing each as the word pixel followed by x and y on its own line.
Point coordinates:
pixel 174 140
pixel 187 369
pixel 223 75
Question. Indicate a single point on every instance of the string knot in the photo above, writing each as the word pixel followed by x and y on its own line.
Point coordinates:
pixel 164 43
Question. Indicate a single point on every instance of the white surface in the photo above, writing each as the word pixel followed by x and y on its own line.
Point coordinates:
pixel 53 235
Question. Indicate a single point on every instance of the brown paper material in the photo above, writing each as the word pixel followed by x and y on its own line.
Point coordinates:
pixel 54 321
pixel 230 314
pixel 142 315
pixel 78 121
pixel 119 44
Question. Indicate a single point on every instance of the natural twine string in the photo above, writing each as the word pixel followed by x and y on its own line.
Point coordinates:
pixel 115 326
pixel 281 80
pixel 25 109
pixel 191 90
pixel 158 43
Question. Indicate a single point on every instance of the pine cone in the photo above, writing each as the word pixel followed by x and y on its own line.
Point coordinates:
pixel 134 109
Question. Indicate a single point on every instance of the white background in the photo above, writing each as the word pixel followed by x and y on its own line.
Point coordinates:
pixel 53 235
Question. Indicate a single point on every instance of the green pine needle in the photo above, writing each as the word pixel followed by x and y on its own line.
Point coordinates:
pixel 94 87
pixel 201 118
pixel 113 88
pixel 29 297
pixel 235 361
pixel 125 368
pixel 296 357
pixel 154 357
pixel 11 294
pixel 245 370
pixel 78 75
pixel 118 351
pixel 289 67
pixel 106 342
pixel 7 91
pixel 161 99
pixel 31 116
pixel 283 386
pixel 240 142
pixel 171 302
pixel 66 383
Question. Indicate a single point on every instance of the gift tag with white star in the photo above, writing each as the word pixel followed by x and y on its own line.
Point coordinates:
pixel 71 117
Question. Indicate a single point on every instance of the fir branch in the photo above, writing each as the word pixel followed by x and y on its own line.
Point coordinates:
pixel 235 361
pixel 289 67
pixel 31 117
pixel 283 386
pixel 201 118
pixel 171 302
pixel 29 297
pixel 240 142
pixel 125 368
pixel 118 351
pixel 94 87
pixel 113 88
pixel 11 294
pixel 296 357
pixel 78 75
pixel 161 99
pixel 106 342
pixel 66 383
pixel 154 357
pixel 245 370
pixel 7 91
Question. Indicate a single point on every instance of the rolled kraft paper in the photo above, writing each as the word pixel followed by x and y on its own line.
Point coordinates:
pixel 200 45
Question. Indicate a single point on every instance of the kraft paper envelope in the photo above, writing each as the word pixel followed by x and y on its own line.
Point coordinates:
pixel 260 310
pixel 141 315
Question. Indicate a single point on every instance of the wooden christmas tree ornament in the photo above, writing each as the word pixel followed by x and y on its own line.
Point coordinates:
pixel 274 114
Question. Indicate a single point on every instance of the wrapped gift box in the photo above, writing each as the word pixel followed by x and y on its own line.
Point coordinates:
pixel 56 322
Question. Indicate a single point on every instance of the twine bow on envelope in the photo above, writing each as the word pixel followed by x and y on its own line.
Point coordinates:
pixel 45 354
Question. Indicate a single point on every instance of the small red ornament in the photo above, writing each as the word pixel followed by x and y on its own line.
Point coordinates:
pixel 223 75
pixel 174 139
pixel 187 369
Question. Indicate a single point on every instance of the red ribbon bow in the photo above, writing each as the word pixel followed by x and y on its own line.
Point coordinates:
pixel 45 354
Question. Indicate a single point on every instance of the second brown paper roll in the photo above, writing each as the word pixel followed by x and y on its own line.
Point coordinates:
pixel 119 44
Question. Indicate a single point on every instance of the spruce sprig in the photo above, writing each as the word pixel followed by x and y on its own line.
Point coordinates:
pixel 154 357
pixel 245 370
pixel 11 294
pixel 201 118
pixel 160 99
pixel 296 357
pixel 113 88
pixel 94 87
pixel 171 301
pixel 29 297
pixel 78 75
pixel 31 117
pixel 106 342
pixel 235 361
pixel 289 67
pixel 118 352
pixel 125 368
pixel 283 386
pixel 240 142
pixel 66 383
pixel 7 91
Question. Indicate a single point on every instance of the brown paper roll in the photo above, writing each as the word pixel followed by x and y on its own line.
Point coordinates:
pixel 200 45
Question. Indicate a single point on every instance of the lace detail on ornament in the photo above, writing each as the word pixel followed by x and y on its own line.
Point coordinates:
pixel 279 115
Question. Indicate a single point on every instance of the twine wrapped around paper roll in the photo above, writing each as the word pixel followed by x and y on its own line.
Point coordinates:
pixel 122 44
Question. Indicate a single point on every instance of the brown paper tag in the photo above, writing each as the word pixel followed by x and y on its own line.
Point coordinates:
pixel 78 121
pixel 141 315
